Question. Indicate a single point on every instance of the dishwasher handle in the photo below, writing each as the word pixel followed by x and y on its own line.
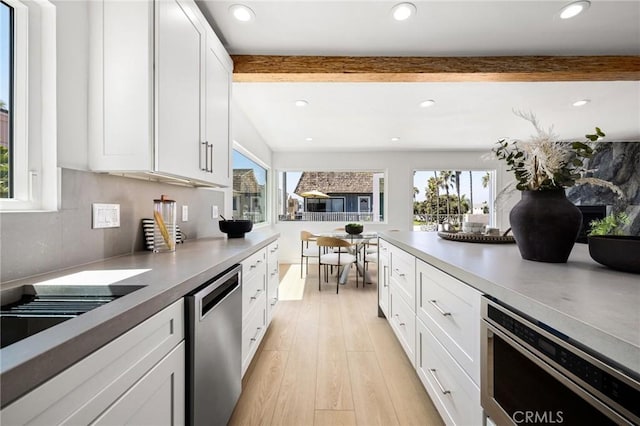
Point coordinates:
pixel 217 290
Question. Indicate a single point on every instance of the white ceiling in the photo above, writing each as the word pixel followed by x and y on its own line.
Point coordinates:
pixel 365 116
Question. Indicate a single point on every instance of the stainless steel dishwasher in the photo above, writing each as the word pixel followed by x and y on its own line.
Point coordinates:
pixel 214 351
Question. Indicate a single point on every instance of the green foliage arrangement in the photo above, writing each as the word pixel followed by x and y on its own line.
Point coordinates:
pixel 609 225
pixel 543 163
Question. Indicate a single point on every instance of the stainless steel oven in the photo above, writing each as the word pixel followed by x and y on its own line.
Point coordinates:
pixel 532 374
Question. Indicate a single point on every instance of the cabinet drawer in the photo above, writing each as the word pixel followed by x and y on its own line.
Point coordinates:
pixel 253 289
pixel 403 274
pixel 451 310
pixel 253 328
pixel 272 252
pixel 254 264
pixel 403 323
pixel 454 394
pixel 383 250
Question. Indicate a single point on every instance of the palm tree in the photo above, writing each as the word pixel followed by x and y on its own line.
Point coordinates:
pixel 456 182
pixel 416 191
pixel 471 189
pixel 445 183
pixel 486 179
pixel 436 182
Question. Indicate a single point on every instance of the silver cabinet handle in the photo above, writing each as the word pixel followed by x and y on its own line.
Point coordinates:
pixel 258 262
pixel 255 336
pixel 273 273
pixel 432 371
pixel 204 169
pixel 384 277
pixel 400 323
pixel 210 157
pixel 399 273
pixel 275 300
pixel 257 294
pixel 438 308
pixel 273 250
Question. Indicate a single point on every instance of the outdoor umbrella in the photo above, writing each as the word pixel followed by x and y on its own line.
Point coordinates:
pixel 314 194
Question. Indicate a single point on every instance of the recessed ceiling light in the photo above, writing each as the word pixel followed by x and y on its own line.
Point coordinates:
pixel 403 11
pixel 573 9
pixel 395 139
pixel 581 102
pixel 427 103
pixel 308 139
pixel 242 13
pixel 301 103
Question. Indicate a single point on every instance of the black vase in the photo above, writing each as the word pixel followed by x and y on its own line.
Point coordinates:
pixel 545 225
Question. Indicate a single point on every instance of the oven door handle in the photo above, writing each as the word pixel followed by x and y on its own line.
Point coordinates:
pixel 590 399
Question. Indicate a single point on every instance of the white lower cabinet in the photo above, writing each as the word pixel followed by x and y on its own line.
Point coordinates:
pixel 138 378
pixel 403 323
pixel 383 277
pixel 260 280
pixel 452 391
pixel 273 279
pixel 440 333
pixel 253 329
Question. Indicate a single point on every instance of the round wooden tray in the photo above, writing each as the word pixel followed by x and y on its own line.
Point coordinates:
pixel 477 238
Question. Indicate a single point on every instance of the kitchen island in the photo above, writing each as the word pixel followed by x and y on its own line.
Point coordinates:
pixel 166 279
pixel 594 305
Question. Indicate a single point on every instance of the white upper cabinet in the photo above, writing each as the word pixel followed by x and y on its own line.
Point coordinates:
pixel 159 92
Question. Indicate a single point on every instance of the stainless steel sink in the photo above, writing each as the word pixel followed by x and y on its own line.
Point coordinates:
pixel 29 309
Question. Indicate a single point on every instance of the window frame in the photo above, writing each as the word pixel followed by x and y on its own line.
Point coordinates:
pixel 377 175
pixel 268 177
pixel 34 150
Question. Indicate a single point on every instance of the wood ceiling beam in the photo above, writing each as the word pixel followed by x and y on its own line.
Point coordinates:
pixel 257 68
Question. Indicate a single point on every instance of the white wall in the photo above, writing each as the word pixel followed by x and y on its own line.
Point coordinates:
pixel 399 167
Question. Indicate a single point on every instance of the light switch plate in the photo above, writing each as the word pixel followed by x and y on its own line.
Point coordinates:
pixel 105 216
pixel 214 212
pixel 185 213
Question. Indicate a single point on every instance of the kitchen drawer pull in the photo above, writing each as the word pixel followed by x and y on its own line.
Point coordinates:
pixel 275 300
pixel 255 336
pixel 386 284
pixel 273 250
pixel 273 273
pixel 258 262
pixel 439 309
pixel 400 274
pixel 257 294
pixel 432 371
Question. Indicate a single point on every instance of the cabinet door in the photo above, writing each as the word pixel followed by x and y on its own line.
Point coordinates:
pixel 158 398
pixel 180 48
pixel 216 114
pixel 383 277
pixel 273 279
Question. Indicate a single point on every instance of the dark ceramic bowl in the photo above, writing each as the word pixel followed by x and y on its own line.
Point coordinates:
pixel 235 228
pixel 353 229
pixel 616 252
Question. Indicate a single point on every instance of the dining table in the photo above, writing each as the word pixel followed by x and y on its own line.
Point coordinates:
pixel 358 245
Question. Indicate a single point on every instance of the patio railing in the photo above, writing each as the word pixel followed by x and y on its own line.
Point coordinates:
pixel 328 217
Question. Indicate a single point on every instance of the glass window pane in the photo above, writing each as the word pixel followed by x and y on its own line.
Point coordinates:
pixel 345 196
pixel 6 84
pixel 445 198
pixel 249 189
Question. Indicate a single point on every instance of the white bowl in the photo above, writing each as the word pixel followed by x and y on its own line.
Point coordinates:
pixel 472 227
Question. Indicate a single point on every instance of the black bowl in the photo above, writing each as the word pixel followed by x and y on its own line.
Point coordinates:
pixel 235 228
pixel 353 229
pixel 616 252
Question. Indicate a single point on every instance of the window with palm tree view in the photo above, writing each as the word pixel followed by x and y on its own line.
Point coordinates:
pixel 339 196
pixel 443 199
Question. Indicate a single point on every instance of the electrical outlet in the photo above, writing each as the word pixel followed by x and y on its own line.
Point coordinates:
pixel 214 212
pixel 185 213
pixel 105 215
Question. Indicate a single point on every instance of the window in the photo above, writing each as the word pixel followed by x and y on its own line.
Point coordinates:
pixel 28 158
pixel 339 196
pixel 445 198
pixel 6 99
pixel 249 188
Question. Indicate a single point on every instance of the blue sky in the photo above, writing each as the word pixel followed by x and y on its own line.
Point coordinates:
pixel 4 53
pixel 242 162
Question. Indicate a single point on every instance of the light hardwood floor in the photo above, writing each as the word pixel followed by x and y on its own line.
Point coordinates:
pixel 327 359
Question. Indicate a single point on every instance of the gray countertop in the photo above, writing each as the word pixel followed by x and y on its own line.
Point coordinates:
pixel 170 276
pixel 594 305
